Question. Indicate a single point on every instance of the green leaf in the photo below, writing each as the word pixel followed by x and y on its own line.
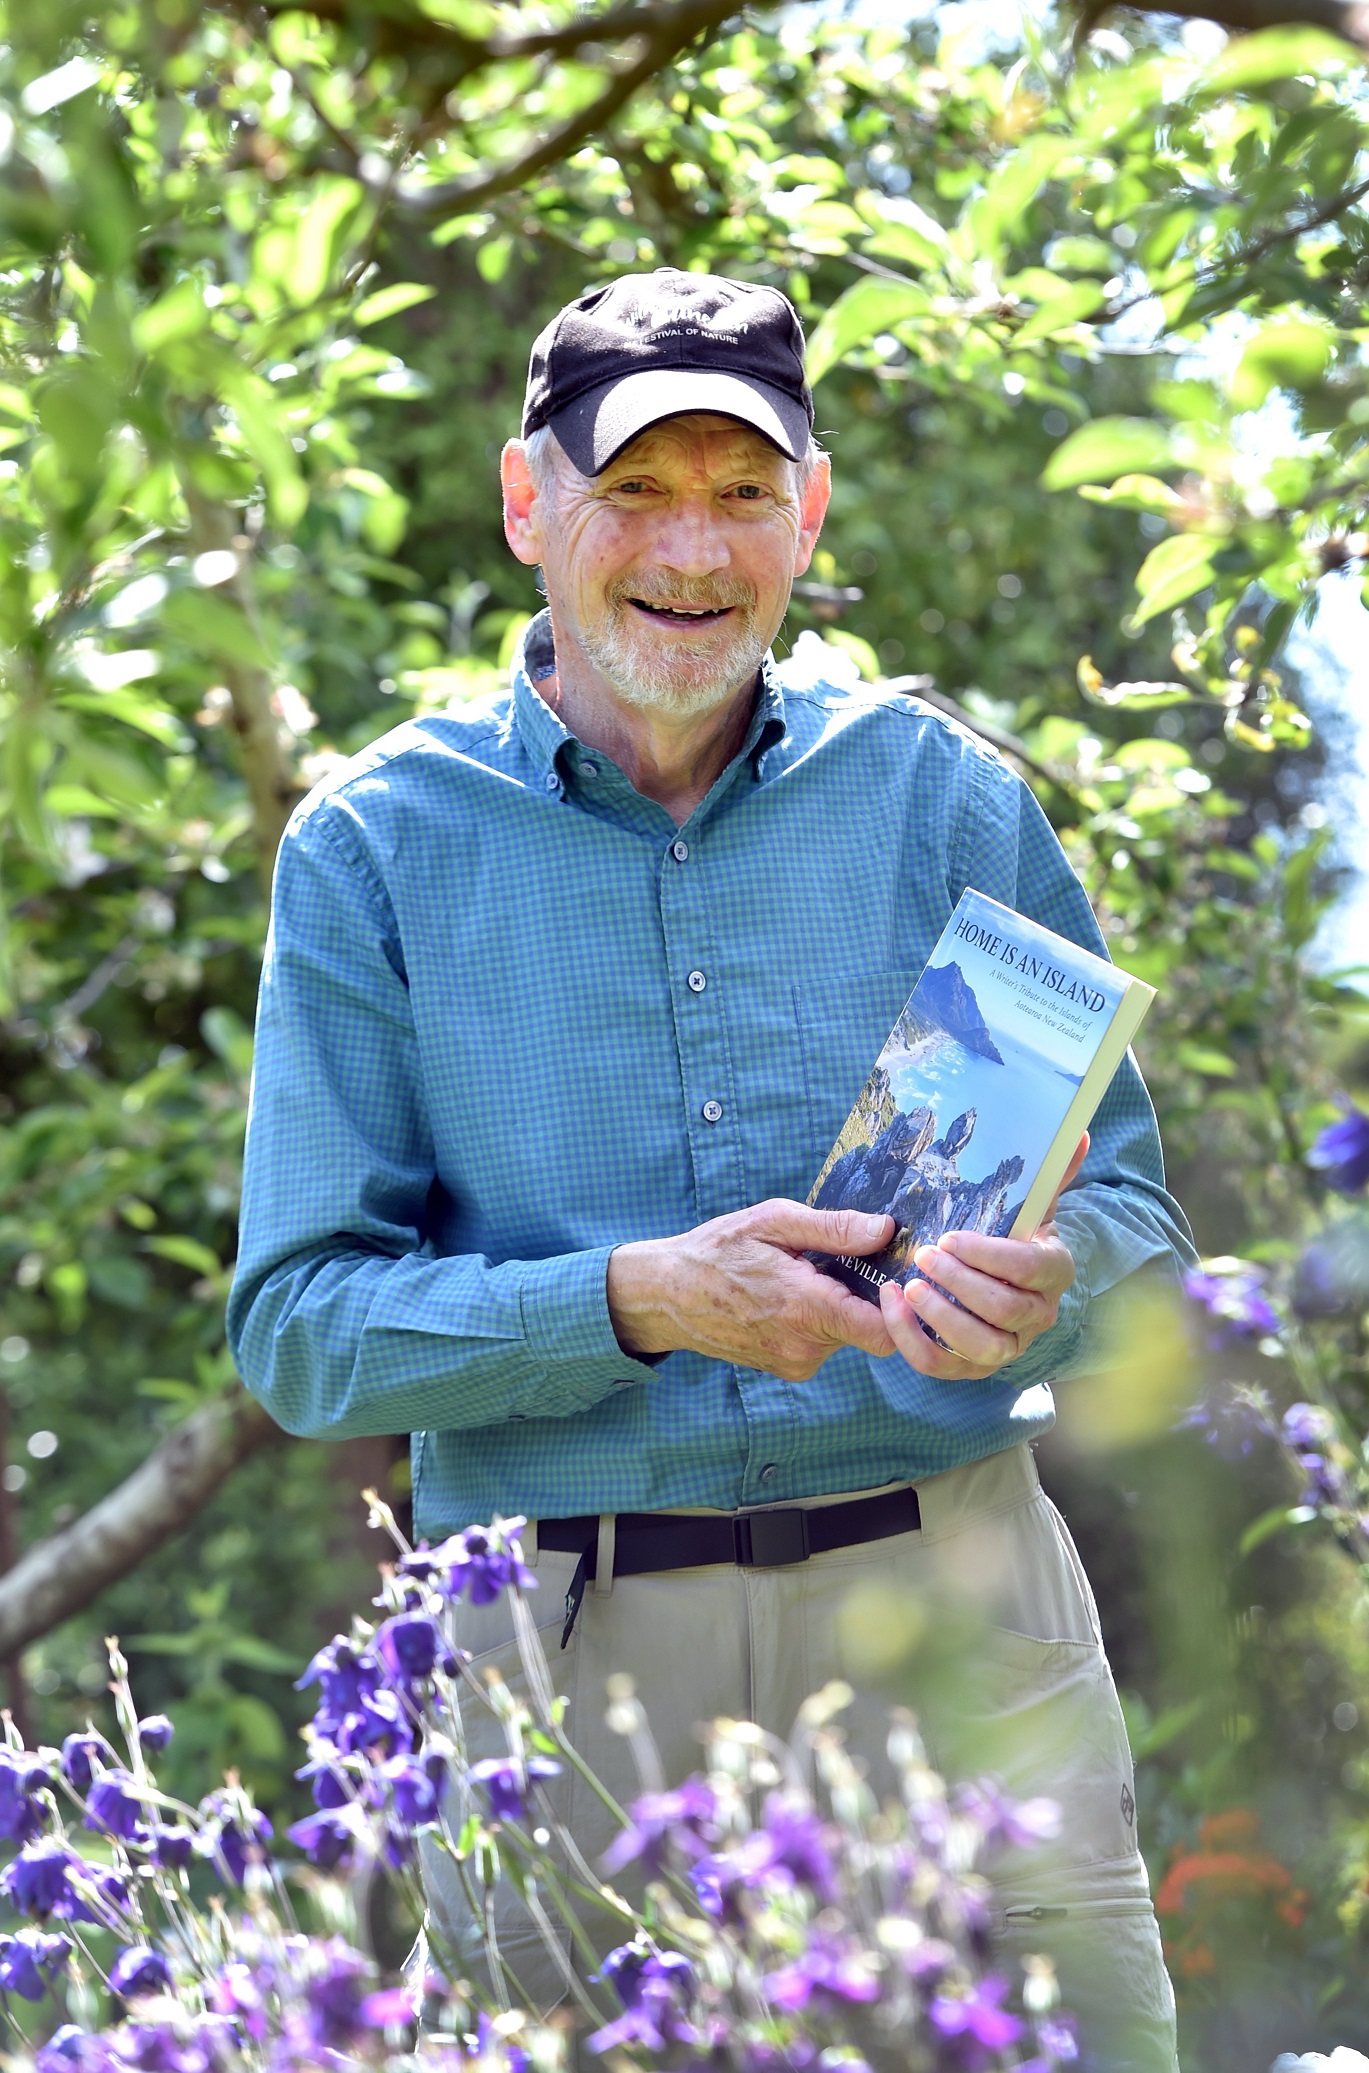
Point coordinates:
pixel 905 232
pixel 866 309
pixel 186 1252
pixel 388 302
pixel 1128 697
pixel 179 314
pixel 1061 311
pixel 1281 356
pixel 210 625
pixel 995 214
pixel 1270 54
pixel 1277 1520
pixel 259 414
pixel 1166 1728
pixel 1105 448
pixel 1201 1058
pixel 258 1655
pixel 1135 493
pixel 1171 572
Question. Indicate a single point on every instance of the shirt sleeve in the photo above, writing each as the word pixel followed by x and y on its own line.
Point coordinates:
pixel 1117 1217
pixel 343 1319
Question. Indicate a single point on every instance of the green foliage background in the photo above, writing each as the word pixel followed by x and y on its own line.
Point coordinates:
pixel 267 282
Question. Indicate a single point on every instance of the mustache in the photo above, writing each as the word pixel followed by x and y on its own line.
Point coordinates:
pixel 707 593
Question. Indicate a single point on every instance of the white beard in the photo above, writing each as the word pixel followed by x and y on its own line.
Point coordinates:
pixel 684 682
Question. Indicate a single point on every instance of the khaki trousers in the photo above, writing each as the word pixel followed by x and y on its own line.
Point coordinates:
pixel 1004 1667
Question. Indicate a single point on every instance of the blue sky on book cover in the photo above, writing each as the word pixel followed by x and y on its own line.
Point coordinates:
pixel 973 1084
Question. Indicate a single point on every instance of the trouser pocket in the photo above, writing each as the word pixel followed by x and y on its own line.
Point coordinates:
pixel 1096 1925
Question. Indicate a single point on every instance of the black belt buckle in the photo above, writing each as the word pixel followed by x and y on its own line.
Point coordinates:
pixel 770 1540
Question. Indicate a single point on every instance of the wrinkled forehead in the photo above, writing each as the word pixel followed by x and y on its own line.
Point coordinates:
pixel 703 440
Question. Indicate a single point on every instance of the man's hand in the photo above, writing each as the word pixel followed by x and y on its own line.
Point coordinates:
pixel 1009 1288
pixel 738 1290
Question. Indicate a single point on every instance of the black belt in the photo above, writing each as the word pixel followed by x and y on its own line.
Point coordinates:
pixel 647 1542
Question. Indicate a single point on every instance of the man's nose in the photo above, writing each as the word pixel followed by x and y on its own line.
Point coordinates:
pixel 690 540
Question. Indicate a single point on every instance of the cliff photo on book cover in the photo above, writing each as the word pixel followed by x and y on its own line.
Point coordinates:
pixel 968 1098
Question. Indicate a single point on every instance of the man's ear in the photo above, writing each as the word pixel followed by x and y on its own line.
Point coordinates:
pixel 521 527
pixel 812 511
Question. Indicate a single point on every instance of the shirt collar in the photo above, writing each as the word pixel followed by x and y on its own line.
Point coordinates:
pixel 547 740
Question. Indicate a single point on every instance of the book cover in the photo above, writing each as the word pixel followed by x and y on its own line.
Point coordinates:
pixel 982 1091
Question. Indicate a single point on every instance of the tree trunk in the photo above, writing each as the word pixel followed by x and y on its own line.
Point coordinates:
pixel 60 1576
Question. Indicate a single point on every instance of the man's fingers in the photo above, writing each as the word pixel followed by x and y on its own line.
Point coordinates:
pixel 972 1348
pixel 1021 1311
pixel 1043 1264
pixel 800 1229
pixel 1081 1152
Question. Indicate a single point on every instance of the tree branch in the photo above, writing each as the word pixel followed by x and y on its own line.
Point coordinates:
pixel 671 30
pixel 60 1576
pixel 1347 18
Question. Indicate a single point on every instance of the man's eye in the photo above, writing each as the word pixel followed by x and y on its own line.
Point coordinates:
pixel 749 490
pixel 631 488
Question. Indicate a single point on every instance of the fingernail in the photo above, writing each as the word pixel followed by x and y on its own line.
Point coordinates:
pixel 916 1291
pixel 874 1226
pixel 927 1258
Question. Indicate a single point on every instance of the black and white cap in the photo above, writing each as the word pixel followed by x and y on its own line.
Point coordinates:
pixel 652 346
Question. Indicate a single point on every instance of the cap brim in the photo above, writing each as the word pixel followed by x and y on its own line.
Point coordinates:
pixel 596 427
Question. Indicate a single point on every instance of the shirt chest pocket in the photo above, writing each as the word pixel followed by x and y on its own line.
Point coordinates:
pixel 842 1024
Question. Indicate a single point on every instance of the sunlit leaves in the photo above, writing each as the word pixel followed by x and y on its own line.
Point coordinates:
pixel 1106 448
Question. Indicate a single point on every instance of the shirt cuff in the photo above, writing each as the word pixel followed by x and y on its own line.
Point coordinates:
pixel 563 1303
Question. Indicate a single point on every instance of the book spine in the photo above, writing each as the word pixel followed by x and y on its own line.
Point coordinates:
pixel 1126 1020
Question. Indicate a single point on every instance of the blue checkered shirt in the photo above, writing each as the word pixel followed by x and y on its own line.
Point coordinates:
pixel 512 1016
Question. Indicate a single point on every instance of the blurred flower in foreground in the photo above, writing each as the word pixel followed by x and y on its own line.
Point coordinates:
pixel 1332 1276
pixel 1341 1152
pixel 1230 1417
pixel 1232 1292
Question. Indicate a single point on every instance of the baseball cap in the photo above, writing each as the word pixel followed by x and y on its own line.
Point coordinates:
pixel 651 346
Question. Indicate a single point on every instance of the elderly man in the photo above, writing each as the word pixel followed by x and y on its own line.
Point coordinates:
pixel 565 1001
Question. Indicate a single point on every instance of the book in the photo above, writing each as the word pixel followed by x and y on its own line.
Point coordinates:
pixel 983 1089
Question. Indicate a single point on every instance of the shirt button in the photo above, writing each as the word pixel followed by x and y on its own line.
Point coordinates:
pixel 552 781
pixel 712 1112
pixel 696 982
pixel 768 1472
pixel 589 769
pixel 680 851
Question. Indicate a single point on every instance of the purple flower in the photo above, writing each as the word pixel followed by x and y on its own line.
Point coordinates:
pixel 73 2050
pixel 237 1992
pixel 412 1790
pixel 347 1677
pixel 79 1755
pixel 38 1881
pixel 233 1833
pixel 139 1971
pixel 111 1806
pixel 480 1562
pixel 379 1722
pixel 29 1960
pixel 1308 1425
pixel 797 1843
pixel 172 1848
pixel 329 1781
pixel 1004 1822
pixel 655 1988
pixel 21 1776
pixel 155 1733
pixel 1341 1152
pixel 1231 1417
pixel 826 1970
pixel 409 1645
pixel 197 2046
pixel 976 2019
pixel 506 1785
pixel 684 1817
pixel 1232 1293
pixel 331 1837
pixel 335 1994
pixel 389 2009
pixel 1055 2037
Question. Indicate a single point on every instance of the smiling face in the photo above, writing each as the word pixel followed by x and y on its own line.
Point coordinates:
pixel 668 575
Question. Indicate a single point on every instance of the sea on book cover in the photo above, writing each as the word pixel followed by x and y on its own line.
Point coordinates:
pixel 984 1087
